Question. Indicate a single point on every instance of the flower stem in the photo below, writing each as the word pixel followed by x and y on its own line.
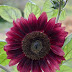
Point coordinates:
pixel 59 12
pixel 2 67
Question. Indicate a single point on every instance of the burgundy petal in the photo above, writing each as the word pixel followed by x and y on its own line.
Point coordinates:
pixel 9 41
pixel 14 53
pixel 27 66
pixel 44 65
pixel 36 67
pixel 21 63
pixel 12 47
pixel 16 60
pixel 24 25
pixel 59 31
pixel 53 62
pixel 17 27
pixel 51 66
pixel 42 21
pixel 57 50
pixel 13 35
pixel 32 22
pixel 59 59
pixel 57 25
pixel 50 25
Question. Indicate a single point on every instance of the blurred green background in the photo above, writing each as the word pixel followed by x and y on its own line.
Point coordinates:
pixel 20 4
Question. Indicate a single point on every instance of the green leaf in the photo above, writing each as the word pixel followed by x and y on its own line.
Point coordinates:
pixel 48 8
pixel 67 47
pixel 31 8
pixel 62 15
pixel 68 39
pixel 68 63
pixel 9 13
pixel 3 57
pixel 39 3
pixel 64 68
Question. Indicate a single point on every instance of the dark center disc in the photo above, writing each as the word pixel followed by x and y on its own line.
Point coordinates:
pixel 36 45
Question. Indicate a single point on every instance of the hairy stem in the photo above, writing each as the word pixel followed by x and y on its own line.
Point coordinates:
pixel 59 12
pixel 2 67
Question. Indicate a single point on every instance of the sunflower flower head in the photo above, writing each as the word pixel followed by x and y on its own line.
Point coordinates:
pixel 35 44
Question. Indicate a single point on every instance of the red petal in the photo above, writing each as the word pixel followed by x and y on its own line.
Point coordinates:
pixel 59 58
pixel 57 50
pixel 50 26
pixel 12 47
pixel 9 41
pixel 60 39
pixel 51 66
pixel 27 66
pixel 57 25
pixel 21 63
pixel 42 21
pixel 32 22
pixel 53 61
pixel 16 30
pixel 57 43
pixel 59 31
pixel 14 35
pixel 24 25
pixel 36 67
pixel 16 60
pixel 44 66
pixel 14 53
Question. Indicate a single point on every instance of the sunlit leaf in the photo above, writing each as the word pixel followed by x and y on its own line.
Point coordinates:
pixel 64 68
pixel 39 3
pixel 68 63
pixel 47 8
pixel 67 47
pixel 3 57
pixel 31 8
pixel 62 15
pixel 9 13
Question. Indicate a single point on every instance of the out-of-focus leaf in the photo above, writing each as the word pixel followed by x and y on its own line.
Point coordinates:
pixel 31 8
pixel 3 57
pixel 62 15
pixel 48 8
pixel 67 47
pixel 9 13
pixel 64 68
pixel 51 12
pixel 68 39
pixel 68 63
pixel 39 3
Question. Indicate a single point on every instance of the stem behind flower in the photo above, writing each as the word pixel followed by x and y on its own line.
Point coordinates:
pixel 2 67
pixel 59 12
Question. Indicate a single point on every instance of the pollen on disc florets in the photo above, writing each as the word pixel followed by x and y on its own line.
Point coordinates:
pixel 36 45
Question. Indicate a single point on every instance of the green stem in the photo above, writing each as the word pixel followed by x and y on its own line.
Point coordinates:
pixel 2 67
pixel 59 12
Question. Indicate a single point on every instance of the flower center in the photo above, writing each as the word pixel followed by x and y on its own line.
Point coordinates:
pixel 36 45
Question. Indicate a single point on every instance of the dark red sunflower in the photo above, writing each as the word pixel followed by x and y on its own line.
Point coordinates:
pixel 35 44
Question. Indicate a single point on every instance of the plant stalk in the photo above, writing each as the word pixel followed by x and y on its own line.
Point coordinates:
pixel 59 12
pixel 2 67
